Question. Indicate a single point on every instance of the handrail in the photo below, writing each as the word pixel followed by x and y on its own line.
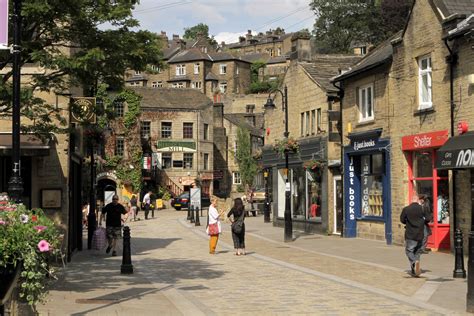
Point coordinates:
pixel 169 184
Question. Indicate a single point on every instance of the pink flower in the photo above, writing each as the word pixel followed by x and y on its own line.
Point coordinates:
pixel 43 246
pixel 2 222
pixel 40 228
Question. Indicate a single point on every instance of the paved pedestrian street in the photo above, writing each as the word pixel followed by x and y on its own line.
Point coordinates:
pixel 174 274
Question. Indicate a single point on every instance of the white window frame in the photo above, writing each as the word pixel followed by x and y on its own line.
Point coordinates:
pixel 197 68
pixel 364 116
pixel 223 87
pixel 154 84
pixel 137 73
pixel 236 179
pixel 159 84
pixel 181 70
pixel 428 72
pixel 223 69
pixel 237 71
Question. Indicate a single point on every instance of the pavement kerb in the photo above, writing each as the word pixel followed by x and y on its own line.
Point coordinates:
pixel 402 298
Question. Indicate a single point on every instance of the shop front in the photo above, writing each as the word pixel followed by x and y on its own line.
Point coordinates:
pixel 427 181
pixel 367 211
pixel 307 177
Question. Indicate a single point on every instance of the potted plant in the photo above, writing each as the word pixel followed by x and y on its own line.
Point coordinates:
pixel 284 145
pixel 315 166
pixel 28 239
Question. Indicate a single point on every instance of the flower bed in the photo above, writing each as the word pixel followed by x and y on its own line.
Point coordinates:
pixel 27 238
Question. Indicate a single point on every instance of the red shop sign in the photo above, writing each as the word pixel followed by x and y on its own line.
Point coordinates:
pixel 425 140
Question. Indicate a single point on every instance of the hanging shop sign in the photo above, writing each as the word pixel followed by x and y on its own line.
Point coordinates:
pixel 106 175
pixel 146 162
pixel 175 146
pixel 457 152
pixel 424 140
pixel 463 127
pixel 82 110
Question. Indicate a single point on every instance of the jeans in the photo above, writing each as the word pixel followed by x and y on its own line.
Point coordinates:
pixel 426 233
pixel 413 249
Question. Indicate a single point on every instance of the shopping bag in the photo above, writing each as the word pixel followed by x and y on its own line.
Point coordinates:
pixel 98 239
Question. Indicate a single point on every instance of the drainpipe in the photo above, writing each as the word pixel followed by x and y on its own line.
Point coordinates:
pixel 452 59
pixel 341 130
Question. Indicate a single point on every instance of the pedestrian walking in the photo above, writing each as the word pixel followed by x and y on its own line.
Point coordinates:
pixel 113 222
pixel 146 203
pixel 425 204
pixel 414 218
pixel 238 226
pixel 213 225
pixel 133 205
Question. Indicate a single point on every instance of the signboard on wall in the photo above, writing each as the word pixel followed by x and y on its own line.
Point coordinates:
pixel 424 140
pixel 3 24
pixel 195 197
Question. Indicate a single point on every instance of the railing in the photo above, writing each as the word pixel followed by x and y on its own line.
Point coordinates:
pixel 169 184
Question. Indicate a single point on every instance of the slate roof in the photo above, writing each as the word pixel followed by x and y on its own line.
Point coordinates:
pixel 277 60
pixel 170 52
pixel 195 55
pixel 323 68
pixel 453 7
pixel 463 27
pixel 239 119
pixel 253 57
pixel 169 98
pixel 210 76
pixel 378 56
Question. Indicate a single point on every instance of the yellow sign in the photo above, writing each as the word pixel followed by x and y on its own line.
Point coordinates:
pixel 159 203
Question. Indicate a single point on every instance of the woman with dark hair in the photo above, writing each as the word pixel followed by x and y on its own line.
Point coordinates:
pixel 238 226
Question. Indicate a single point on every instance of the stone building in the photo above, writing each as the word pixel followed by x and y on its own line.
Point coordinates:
pixel 396 115
pixel 274 43
pixel 314 175
pixel 176 126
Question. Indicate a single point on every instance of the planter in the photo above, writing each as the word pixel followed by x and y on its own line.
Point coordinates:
pixel 9 276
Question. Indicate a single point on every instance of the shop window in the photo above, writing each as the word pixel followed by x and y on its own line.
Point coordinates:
pixel 422 164
pixel 442 202
pixel 313 201
pixel 298 193
pixel 166 160
pixel 188 160
pixel 371 185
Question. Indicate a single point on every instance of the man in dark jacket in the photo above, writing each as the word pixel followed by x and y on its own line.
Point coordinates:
pixel 414 217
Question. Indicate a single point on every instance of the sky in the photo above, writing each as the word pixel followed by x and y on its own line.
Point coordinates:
pixel 227 19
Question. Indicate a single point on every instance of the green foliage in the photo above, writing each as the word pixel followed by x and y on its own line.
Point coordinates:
pixel 192 33
pixel 132 114
pixel 21 231
pixel 339 24
pixel 67 38
pixel 284 145
pixel 240 188
pixel 257 85
pixel 247 164
pixel 113 161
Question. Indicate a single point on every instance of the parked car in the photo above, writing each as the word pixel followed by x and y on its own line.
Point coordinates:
pixel 259 195
pixel 182 201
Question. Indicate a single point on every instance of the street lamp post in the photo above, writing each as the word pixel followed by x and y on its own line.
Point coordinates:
pixel 91 217
pixel 288 220
pixel 266 207
pixel 15 184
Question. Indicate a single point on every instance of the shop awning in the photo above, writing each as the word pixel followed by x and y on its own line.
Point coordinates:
pixel 30 145
pixel 457 153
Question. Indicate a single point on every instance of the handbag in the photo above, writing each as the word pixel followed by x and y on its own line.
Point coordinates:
pixel 238 225
pixel 98 239
pixel 213 229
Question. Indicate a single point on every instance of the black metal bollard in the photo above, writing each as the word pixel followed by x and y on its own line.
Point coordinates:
pixel 126 267
pixel 266 212
pixel 189 214
pixel 192 213
pixel 197 221
pixel 459 271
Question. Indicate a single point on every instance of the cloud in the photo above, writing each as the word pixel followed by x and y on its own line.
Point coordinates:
pixel 228 37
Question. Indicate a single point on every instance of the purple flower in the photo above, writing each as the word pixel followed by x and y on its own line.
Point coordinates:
pixel 24 218
pixel 43 246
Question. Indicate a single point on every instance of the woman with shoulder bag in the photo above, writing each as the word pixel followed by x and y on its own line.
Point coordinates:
pixel 238 226
pixel 213 225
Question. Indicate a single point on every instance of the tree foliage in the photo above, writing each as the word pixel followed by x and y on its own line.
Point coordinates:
pixel 247 164
pixel 197 31
pixel 340 24
pixel 68 39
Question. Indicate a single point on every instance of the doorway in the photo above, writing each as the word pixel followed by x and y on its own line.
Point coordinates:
pixel 338 214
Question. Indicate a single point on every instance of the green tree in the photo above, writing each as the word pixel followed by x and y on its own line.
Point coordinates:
pixel 200 30
pixel 247 164
pixel 69 40
pixel 339 24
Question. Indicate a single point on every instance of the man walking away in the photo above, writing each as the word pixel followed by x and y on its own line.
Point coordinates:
pixel 146 203
pixel 113 222
pixel 414 218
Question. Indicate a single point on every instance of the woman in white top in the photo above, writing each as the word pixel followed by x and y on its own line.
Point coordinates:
pixel 214 218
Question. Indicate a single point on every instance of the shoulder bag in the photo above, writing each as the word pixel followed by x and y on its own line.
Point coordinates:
pixel 238 225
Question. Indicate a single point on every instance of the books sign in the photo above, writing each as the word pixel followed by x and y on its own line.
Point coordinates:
pixel 3 24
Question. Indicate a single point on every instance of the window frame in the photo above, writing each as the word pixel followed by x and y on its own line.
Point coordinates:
pixel 319 119
pixel 188 158
pixel 119 108
pixel 162 130
pixel 236 176
pixel 223 87
pixel 363 108
pixel 206 131
pixel 186 126
pixel 119 146
pixel 197 68
pixel 205 161
pixel 143 128
pixel 181 70
pixel 421 73
pixel 165 156
pixel 223 69
pixel 302 124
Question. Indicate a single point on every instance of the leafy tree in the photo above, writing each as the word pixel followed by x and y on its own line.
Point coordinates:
pixel 200 30
pixel 247 164
pixel 342 23
pixel 68 39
